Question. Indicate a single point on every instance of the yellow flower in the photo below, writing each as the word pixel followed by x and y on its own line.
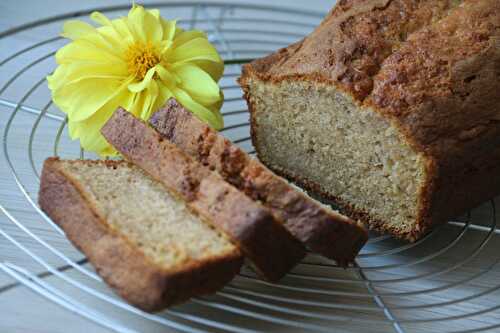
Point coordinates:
pixel 137 62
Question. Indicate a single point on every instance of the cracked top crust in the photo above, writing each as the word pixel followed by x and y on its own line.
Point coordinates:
pixel 349 46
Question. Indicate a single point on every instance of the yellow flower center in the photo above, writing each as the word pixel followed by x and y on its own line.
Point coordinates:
pixel 140 58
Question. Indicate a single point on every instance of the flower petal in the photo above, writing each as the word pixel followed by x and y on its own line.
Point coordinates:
pixel 90 138
pixel 89 133
pixel 169 79
pixel 136 106
pixel 219 119
pixel 214 69
pixel 82 100
pixel 195 49
pixel 198 84
pixel 169 29
pixel 135 17
pixel 201 53
pixel 99 41
pixel 121 27
pixel 79 70
pixel 165 48
pixel 86 51
pixel 197 109
pixel 113 38
pixel 88 130
pixel 215 108
pixel 73 130
pixel 100 18
pixel 81 31
pixel 126 102
pixel 186 36
pixel 164 94
pixel 150 100
pixel 152 28
pixel 140 86
pixel 155 13
pixel 146 26
pixel 74 29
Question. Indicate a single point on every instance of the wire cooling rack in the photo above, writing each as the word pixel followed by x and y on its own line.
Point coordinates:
pixel 446 282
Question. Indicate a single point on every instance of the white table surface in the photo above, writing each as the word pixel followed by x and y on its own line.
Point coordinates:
pixel 23 311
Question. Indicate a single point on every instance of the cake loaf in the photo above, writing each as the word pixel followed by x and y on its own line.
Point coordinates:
pixel 323 231
pixel 389 108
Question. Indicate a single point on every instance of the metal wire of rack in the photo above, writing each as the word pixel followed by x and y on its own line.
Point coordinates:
pixel 447 281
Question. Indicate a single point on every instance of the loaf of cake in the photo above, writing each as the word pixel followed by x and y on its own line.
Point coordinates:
pixel 144 242
pixel 389 108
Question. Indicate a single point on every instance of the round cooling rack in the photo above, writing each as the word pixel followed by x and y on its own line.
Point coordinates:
pixel 446 282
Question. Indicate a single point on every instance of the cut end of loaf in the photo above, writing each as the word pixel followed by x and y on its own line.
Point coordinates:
pixel 320 138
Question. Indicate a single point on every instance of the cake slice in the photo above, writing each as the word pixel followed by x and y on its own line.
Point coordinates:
pixel 271 249
pixel 144 242
pixel 390 108
pixel 321 229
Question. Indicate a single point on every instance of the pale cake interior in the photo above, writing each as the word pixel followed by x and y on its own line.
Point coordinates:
pixel 318 134
pixel 141 210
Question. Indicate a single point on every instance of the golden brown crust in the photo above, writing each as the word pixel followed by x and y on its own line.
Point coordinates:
pixel 439 87
pixel 121 264
pixel 349 46
pixel 325 232
pixel 269 246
